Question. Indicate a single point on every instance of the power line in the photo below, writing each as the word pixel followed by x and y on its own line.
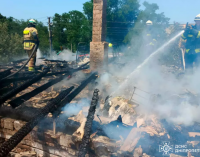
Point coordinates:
pixel 143 90
pixel 41 17
pixel 110 21
pixel 140 96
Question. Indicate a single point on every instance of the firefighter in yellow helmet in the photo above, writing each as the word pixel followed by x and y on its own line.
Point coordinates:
pixel 149 41
pixel 190 44
pixel 149 35
pixel 30 42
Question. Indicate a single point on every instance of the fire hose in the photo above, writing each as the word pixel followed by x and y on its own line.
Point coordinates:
pixel 34 51
pixel 88 125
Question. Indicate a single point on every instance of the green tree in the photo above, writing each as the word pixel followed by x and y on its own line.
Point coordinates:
pixel 160 23
pixel 88 9
pixel 70 28
pixel 121 15
pixel 15 26
pixel 10 45
pixel 43 37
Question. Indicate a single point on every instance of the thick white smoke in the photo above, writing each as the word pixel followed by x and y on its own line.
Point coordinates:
pixel 74 108
pixel 66 55
pixel 153 77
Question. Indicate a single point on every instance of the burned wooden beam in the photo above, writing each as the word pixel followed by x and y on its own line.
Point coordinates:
pixel 12 142
pixel 19 100
pixel 5 73
pixel 13 92
pixel 10 80
pixel 22 113
pixel 55 61
pixel 70 97
pixel 55 105
pixel 88 125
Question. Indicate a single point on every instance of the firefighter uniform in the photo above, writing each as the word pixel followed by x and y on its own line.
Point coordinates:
pixel 150 41
pixel 190 41
pixel 30 40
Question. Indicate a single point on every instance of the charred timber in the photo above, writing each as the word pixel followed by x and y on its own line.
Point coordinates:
pixel 88 125
pixel 5 73
pixel 5 90
pixel 10 80
pixel 16 79
pixel 55 105
pixel 55 61
pixel 12 142
pixel 19 100
pixel 14 91
pixel 73 94
pixel 23 113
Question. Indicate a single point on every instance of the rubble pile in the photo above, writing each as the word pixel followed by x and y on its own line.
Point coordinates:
pixel 149 132
pixel 118 129
pixel 83 61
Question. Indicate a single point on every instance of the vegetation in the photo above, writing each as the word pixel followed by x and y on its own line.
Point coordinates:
pixel 125 24
pixel 10 43
pixel 69 29
pixel 11 37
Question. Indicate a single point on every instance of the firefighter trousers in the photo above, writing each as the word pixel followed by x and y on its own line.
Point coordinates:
pixel 191 59
pixel 33 58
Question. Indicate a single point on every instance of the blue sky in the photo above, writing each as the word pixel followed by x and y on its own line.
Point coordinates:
pixel 177 10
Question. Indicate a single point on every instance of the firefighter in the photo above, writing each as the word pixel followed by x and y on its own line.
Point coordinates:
pixel 190 44
pixel 151 41
pixel 30 42
pixel 110 45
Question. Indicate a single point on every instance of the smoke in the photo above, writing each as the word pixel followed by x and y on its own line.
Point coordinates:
pixel 66 55
pixel 175 104
pixel 77 77
pixel 150 77
pixel 74 108
pixel 39 55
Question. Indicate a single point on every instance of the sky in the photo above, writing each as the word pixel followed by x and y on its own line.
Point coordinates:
pixel 181 11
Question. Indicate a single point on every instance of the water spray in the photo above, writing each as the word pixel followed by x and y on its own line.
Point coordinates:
pixel 146 61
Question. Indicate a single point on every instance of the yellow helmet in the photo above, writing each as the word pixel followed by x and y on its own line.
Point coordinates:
pixel 149 22
pixel 110 45
pixel 32 21
pixel 197 18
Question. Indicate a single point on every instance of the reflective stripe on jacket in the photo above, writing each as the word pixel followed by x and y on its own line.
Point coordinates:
pixel 196 50
pixel 191 41
pixel 29 41
pixel 152 41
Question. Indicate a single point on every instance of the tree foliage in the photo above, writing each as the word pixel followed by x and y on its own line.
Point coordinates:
pixel 121 15
pixel 70 29
pixel 136 34
pixel 10 43
pixel 12 37
pixel 125 25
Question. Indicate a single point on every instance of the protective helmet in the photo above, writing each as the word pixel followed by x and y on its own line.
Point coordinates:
pixel 149 22
pixel 110 45
pixel 197 18
pixel 32 21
